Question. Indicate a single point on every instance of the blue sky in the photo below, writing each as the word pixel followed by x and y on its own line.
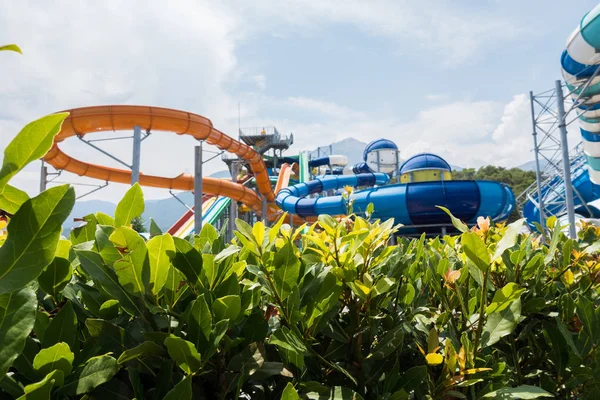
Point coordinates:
pixel 443 76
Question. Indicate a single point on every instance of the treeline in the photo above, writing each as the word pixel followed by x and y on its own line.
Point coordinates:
pixel 516 178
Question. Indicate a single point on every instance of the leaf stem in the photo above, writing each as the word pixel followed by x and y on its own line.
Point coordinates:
pixel 483 301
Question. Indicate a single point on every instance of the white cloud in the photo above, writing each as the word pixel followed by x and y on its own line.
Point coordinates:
pixel 324 107
pixel 451 33
pixel 260 81
pixel 171 55
pixel 436 97
pixel 183 55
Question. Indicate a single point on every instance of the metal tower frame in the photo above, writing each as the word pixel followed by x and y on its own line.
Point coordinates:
pixel 552 192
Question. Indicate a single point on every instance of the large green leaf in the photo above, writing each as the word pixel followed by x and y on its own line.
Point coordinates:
pixel 504 297
pixel 476 250
pixel 58 357
pixel 55 276
pixel 95 372
pixel 109 336
pixel 62 328
pixel 31 144
pixel 92 264
pixel 510 238
pixel 86 231
pixel 519 392
pixel 188 260
pixel 181 391
pixel 289 393
pixel 589 318
pixel 133 270
pixel 146 349
pixel 173 288
pixel 161 249
pixel 12 198
pixel 199 323
pixel 287 269
pixel 458 224
pixel 227 307
pixel 387 344
pixel 557 344
pixel 41 390
pixel 17 317
pixel 154 228
pixel 130 207
pixel 33 235
pixel 500 324
pixel 184 354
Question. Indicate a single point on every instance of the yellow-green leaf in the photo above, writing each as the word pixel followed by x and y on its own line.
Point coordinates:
pixel 11 47
pixel 130 207
pixel 12 198
pixel 32 143
pixel 33 235
pixel 55 357
pixel 161 249
pixel 434 359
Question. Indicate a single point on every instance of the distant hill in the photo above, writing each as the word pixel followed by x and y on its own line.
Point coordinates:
pixel 164 211
pixel 530 165
pixel 350 147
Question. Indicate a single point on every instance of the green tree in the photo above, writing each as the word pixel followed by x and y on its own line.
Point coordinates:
pixel 517 179
pixel 138 224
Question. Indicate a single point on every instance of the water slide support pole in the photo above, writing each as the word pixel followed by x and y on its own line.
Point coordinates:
pixel 233 204
pixel 538 173
pixel 565 157
pixel 43 177
pixel 264 210
pixel 137 150
pixel 198 188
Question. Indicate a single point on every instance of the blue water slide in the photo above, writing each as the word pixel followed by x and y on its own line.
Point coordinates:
pixel 585 192
pixel 409 204
pixel 333 159
pixel 361 168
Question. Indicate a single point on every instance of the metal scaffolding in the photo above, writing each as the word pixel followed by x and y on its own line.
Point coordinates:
pixel 556 163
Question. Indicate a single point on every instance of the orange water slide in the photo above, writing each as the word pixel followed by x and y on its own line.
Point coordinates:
pixel 86 120
pixel 284 177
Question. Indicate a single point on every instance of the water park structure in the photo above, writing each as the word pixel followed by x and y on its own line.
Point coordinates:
pixel 267 185
pixel 568 181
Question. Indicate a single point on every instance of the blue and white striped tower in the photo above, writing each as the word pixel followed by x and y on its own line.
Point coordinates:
pixel 580 62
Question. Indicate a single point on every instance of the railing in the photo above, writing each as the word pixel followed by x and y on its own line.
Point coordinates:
pixel 257 131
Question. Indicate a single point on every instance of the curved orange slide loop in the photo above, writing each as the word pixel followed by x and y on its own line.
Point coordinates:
pixel 82 121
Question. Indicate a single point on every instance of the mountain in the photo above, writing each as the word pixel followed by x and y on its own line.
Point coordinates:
pixel 350 147
pixel 164 211
pixel 530 165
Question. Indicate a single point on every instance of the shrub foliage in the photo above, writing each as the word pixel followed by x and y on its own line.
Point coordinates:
pixel 330 311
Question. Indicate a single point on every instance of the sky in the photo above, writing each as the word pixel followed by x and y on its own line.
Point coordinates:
pixel 449 77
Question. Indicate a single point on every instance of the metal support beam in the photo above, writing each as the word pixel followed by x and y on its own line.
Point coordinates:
pixel 233 205
pixel 137 151
pixel 43 177
pixel 198 189
pixel 264 210
pixel 538 172
pixel 565 157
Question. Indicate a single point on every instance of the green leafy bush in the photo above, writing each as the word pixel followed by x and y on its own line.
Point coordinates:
pixel 331 311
